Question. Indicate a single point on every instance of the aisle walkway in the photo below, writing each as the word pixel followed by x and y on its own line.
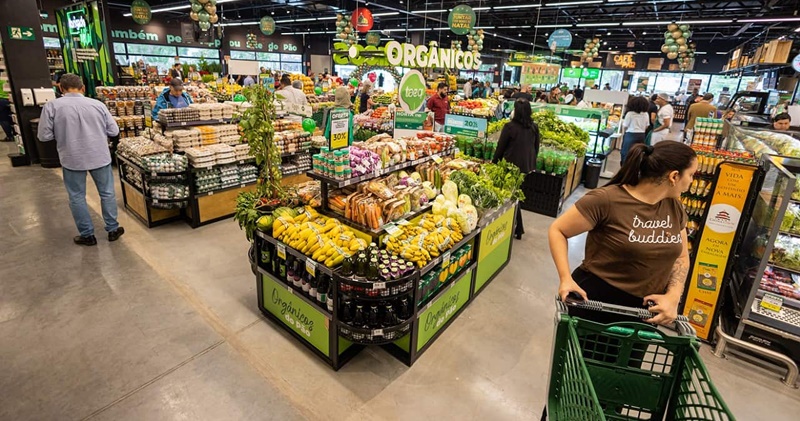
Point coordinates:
pixel 164 325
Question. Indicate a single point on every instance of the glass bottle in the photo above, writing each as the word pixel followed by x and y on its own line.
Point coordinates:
pixel 359 319
pixel 266 255
pixel 329 297
pixel 282 269
pixel 403 309
pixel 322 289
pixel 390 318
pixel 372 317
pixel 361 265
pixel 306 282
pixel 347 266
pixel 346 313
pixel 313 283
pixel 372 270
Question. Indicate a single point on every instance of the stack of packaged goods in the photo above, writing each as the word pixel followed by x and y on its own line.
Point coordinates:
pixel 135 148
pixel 183 139
pixel 292 141
pixel 228 134
pixel 223 154
pixel 212 111
pixel 707 131
pixel 248 173
pixel 296 165
pixel 178 115
pixel 229 176
pixel 165 163
pixel 201 157
pixel 207 180
pixel 130 126
pixel 430 283
pixel 169 191
pixel 319 141
pixel 208 134
pixel 242 151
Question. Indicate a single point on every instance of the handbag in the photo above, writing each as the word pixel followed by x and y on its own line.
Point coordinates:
pixel 648 138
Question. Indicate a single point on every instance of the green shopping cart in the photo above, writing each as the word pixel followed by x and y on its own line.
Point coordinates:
pixel 627 370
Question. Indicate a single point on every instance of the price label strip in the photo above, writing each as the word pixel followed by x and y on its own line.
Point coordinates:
pixel 437 159
pixel 392 229
pixel 403 222
pixel 281 251
pixel 772 302
pixel 311 267
pixel 379 285
pixel 377 332
pixel 446 258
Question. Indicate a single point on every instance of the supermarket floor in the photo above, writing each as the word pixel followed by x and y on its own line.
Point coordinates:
pixel 163 325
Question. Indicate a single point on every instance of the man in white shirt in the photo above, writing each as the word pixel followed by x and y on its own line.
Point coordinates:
pixel 468 89
pixel 663 119
pixel 290 94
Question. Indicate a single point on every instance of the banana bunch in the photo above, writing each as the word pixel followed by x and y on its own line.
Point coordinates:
pixel 427 240
pixel 323 239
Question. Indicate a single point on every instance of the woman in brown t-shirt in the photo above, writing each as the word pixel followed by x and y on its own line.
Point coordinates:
pixel 636 247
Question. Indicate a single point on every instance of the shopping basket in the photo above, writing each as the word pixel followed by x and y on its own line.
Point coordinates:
pixel 627 370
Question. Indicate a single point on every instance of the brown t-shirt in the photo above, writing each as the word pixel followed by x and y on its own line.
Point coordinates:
pixel 633 245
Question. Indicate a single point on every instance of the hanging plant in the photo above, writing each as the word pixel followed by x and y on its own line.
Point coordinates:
pixel 256 128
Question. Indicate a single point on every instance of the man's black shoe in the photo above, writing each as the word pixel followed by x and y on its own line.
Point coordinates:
pixel 114 235
pixel 85 241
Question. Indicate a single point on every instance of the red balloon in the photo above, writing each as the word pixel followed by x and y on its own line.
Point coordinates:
pixel 362 20
pixel 372 77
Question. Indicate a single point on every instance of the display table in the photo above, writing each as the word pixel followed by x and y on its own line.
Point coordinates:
pixel 318 326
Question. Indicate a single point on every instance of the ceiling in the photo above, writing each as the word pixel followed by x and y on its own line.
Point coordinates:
pixel 718 26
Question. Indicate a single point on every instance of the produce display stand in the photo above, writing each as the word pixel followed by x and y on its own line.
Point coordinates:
pixel 545 192
pixel 148 210
pixel 319 328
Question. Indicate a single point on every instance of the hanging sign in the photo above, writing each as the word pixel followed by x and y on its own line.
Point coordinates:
pixel 539 73
pixel 560 39
pixel 465 126
pixel 267 25
pixel 461 19
pixel 412 91
pixel 620 61
pixel 373 38
pixel 140 12
pixel 420 56
pixel 716 242
pixel 796 63
pixel 586 73
pixel 340 129
pixel 362 20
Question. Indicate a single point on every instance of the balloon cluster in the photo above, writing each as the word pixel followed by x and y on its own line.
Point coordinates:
pixel 678 45
pixel 475 40
pixel 204 12
pixel 591 49
pixel 345 30
pixel 252 41
pixel 456 45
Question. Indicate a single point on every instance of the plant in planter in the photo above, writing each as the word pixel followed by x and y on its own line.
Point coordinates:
pixel 256 127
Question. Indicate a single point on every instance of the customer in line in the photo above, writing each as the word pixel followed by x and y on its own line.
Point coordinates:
pixel 468 89
pixel 694 97
pixel 524 93
pixel 289 94
pixel 365 97
pixel 487 89
pixel 634 126
pixel 440 106
pixel 519 145
pixel 663 119
pixel 782 121
pixel 81 127
pixel 249 80
pixel 703 108
pixel 636 249
pixel 172 96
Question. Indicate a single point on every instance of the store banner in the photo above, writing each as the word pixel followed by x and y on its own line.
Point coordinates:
pixel 140 12
pixel 294 312
pixel 722 222
pixel 586 73
pixel 340 129
pixel 641 84
pixel 694 84
pixel 495 243
pixel 539 73
pixel 465 126
pixel 620 61
pixel 267 25
pixel 461 19
pixel 559 40
pixel 440 311
pixel 408 124
pixel 412 91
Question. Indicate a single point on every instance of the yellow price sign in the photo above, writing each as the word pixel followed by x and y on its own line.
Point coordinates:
pixel 340 129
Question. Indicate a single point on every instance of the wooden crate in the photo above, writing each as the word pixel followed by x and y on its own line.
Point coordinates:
pixel 758 57
pixel 778 51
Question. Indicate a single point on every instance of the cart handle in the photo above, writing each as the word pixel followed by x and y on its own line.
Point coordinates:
pixel 681 324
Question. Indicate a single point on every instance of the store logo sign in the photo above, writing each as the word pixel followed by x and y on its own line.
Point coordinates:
pixel 723 218
pixel 421 56
pixel 76 22
pixel 412 91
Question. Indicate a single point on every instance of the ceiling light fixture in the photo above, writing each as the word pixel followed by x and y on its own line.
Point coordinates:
pixel 644 33
pixel 481 8
pixel 648 52
pixel 428 11
pixel 773 19
pixel 383 14
pixel 521 6
pixel 592 25
pixel 573 3
pixel 563 25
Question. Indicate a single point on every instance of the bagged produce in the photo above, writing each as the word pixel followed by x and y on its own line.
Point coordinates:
pixel 450 191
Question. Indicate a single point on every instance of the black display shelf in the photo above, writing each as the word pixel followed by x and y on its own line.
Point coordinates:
pixel 423 305
pixel 432 264
pixel 234 187
pixel 295 291
pixel 320 267
pixel 381 336
pixel 334 182
pixel 755 68
pixel 194 123
pixel 789 301
pixel 382 291
pixel 150 173
pixel 288 154
pixel 374 232
pixel 150 198
pixel 790 234
pixel 237 162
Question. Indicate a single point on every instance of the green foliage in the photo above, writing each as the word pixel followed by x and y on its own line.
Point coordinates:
pixel 482 190
pixel 505 176
pixel 208 78
pixel 246 214
pixel 496 126
pixel 557 133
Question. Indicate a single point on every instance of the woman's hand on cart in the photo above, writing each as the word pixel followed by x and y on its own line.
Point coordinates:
pixel 665 306
pixel 568 285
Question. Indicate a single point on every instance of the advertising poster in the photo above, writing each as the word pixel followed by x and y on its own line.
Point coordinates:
pixel 85 48
pixel 465 126
pixel 295 313
pixel 694 84
pixel 340 129
pixel 641 84
pixel 724 215
pixel 539 73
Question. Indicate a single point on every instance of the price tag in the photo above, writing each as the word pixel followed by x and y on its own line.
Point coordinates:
pixel 379 285
pixel 241 186
pixel 772 302
pixel 403 222
pixel 153 174
pixel 211 193
pixel 183 123
pixel 155 202
pixel 446 258
pixel 311 267
pixel 392 229
pixel 377 332
pixel 281 251
pixel 291 291
pixel 437 159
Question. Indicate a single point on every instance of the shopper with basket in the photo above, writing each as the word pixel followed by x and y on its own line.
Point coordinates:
pixel 607 364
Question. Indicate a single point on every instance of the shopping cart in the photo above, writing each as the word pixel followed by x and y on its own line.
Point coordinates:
pixel 627 370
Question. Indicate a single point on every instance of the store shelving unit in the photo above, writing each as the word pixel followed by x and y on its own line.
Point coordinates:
pixel 136 198
pixel 215 205
pixel 319 327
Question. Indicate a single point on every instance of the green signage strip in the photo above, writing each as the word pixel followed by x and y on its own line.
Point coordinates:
pixel 437 313
pixel 570 111
pixel 22 33
pixel 586 73
pixel 465 126
pixel 494 246
pixel 409 121
pixel 295 313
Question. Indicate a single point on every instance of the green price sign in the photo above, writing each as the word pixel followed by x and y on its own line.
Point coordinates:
pixel 295 313
pixel 586 73
pixel 409 121
pixel 267 25
pixel 465 126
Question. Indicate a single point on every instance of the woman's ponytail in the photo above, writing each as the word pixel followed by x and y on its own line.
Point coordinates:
pixel 652 162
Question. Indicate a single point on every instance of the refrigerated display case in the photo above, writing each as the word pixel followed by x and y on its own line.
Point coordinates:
pixel 762 141
pixel 762 313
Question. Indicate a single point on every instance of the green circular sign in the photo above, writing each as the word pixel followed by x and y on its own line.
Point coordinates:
pixel 267 25
pixel 461 19
pixel 412 91
pixel 373 38
pixel 140 12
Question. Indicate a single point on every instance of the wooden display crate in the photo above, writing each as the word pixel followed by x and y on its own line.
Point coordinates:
pixel 205 208
pixel 777 51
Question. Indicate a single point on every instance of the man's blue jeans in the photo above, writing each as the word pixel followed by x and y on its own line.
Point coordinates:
pixel 75 181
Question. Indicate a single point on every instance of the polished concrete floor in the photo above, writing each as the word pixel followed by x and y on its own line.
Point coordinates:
pixel 164 325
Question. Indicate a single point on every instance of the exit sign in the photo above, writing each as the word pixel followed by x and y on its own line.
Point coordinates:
pixel 23 33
